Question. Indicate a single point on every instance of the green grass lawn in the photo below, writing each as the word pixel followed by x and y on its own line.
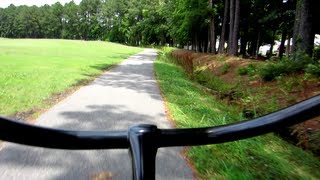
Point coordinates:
pixel 264 157
pixel 31 71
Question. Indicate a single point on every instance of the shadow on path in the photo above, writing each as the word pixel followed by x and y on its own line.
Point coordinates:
pixel 124 96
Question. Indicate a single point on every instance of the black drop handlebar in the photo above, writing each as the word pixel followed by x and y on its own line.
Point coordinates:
pixel 144 140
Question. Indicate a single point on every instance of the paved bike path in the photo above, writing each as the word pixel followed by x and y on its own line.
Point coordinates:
pixel 123 96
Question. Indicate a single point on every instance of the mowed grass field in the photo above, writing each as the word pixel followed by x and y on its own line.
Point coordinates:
pixel 31 71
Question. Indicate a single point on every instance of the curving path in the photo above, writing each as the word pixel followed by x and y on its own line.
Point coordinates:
pixel 123 96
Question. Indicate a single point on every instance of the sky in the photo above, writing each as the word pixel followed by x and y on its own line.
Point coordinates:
pixel 6 3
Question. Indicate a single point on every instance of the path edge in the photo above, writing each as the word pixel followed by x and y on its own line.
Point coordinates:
pixel 171 121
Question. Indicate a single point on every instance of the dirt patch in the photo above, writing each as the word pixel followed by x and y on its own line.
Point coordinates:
pixel 106 175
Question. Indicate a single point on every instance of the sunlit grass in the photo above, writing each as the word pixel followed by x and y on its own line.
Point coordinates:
pixel 265 157
pixel 33 70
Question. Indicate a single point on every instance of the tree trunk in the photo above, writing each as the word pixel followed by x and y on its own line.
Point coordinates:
pixel 205 42
pixel 252 47
pixel 193 43
pixel 231 25
pixel 212 30
pixel 212 37
pixel 258 45
pixel 272 44
pixel 197 44
pixel 243 46
pixel 234 50
pixel 283 40
pixel 208 42
pixel 200 41
pixel 303 36
pixel 288 48
pixel 224 27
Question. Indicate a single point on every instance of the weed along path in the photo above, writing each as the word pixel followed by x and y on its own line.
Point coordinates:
pixel 123 96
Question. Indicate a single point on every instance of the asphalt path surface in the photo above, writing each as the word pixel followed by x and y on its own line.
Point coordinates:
pixel 126 95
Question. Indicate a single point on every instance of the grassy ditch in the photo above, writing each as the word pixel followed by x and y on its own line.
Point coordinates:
pixel 257 88
pixel 31 71
pixel 265 157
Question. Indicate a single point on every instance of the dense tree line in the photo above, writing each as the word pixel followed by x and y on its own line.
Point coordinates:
pixel 130 22
pixel 217 26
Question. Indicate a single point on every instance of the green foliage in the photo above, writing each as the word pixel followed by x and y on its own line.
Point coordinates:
pixel 266 157
pixel 289 84
pixel 250 70
pixel 275 70
pixel 243 71
pixel 141 22
pixel 225 68
pixel 270 71
pixel 316 53
pixel 286 66
pixel 315 139
pixel 165 52
pixel 209 80
pixel 33 70
pixel 129 22
pixel 313 69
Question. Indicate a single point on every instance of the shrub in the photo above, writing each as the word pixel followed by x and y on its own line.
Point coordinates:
pixel 316 53
pixel 225 68
pixel 270 71
pixel 165 54
pixel 166 51
pixel 201 76
pixel 313 69
pixel 250 70
pixel 209 80
pixel 243 71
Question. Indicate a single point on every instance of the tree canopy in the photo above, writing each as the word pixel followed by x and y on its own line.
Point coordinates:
pixel 216 26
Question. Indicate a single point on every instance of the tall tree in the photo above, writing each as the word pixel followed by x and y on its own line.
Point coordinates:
pixel 224 27
pixel 89 11
pixel 49 23
pixel 57 19
pixel 142 22
pixel 212 28
pixel 231 26
pixel 117 18
pixel 71 21
pixel 303 36
pixel 235 35
pixel 286 22
pixel 234 27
